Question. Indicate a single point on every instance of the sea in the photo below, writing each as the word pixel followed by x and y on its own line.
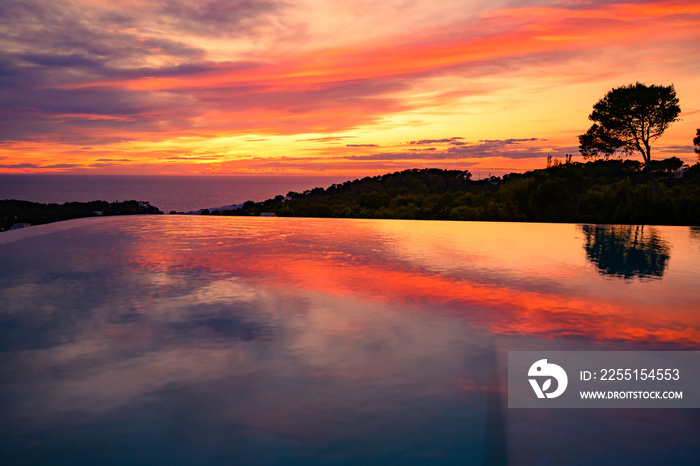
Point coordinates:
pixel 168 193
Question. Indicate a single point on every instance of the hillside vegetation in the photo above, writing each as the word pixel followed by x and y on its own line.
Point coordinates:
pixel 14 211
pixel 603 191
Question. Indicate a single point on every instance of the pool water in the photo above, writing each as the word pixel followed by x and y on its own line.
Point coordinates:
pixel 205 340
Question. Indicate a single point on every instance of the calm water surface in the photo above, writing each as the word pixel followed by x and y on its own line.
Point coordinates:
pixel 200 340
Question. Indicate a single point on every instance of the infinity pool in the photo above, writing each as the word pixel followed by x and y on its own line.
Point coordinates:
pixel 205 340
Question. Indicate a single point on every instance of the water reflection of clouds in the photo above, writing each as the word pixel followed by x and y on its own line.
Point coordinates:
pixel 432 269
pixel 555 295
pixel 305 332
pixel 497 308
pixel 350 358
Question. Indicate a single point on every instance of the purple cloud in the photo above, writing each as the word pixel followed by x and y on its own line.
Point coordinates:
pixel 454 140
pixel 220 17
pixel 19 165
pixel 507 148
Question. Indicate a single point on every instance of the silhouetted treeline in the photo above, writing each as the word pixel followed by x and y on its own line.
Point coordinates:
pixel 603 191
pixel 14 211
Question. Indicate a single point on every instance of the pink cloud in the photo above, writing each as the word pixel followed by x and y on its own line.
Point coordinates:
pixel 118 84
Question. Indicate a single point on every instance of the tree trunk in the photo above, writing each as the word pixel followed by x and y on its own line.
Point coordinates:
pixel 647 159
pixel 652 178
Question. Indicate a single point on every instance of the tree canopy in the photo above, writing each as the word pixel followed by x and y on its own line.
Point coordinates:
pixel 600 191
pixel 628 119
pixel 696 141
pixel 13 211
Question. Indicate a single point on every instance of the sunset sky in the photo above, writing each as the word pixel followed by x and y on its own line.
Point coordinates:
pixel 355 88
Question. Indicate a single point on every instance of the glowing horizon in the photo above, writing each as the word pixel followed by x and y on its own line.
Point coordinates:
pixel 314 87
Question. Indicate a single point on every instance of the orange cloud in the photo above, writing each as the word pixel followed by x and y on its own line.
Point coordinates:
pixel 159 90
pixel 520 31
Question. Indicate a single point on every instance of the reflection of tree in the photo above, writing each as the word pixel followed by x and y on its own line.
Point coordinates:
pixel 695 233
pixel 626 251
